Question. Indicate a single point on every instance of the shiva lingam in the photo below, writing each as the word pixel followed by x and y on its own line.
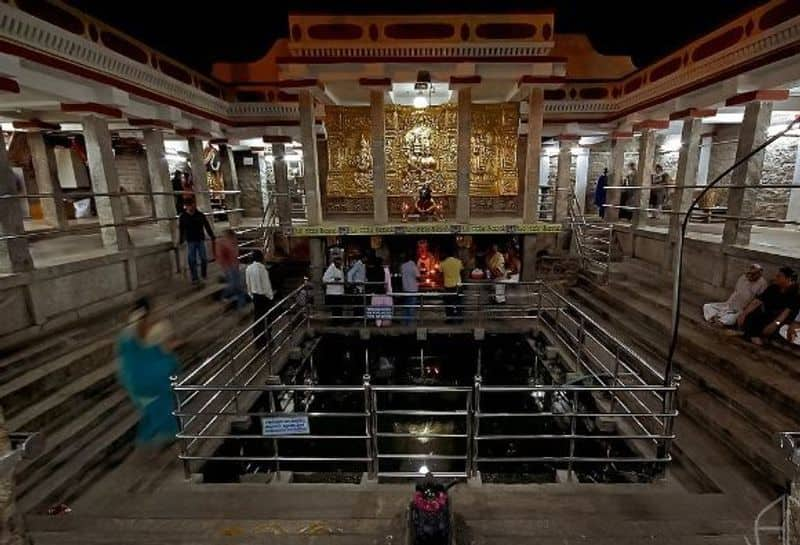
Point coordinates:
pixel 425 207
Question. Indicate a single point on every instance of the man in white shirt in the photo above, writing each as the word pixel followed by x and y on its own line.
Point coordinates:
pixel 409 273
pixel 748 286
pixel 334 286
pixel 259 288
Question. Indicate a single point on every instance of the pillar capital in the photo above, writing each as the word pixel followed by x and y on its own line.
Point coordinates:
pixel 36 125
pixel 276 139
pixel 192 133
pixel 692 113
pixel 103 111
pixel 8 85
pixel 764 95
pixel 651 124
pixel 377 84
pixel 464 82
pixel 621 135
pixel 156 124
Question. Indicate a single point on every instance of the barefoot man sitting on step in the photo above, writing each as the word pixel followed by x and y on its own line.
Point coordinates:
pixel 750 285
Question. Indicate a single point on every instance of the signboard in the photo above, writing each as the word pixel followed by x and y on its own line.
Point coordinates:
pixel 422 229
pixel 272 426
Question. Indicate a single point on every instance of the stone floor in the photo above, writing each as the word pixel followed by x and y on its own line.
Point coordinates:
pixel 86 242
pixel 783 241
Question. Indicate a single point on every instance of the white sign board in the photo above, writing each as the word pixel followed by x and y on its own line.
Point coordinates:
pixel 248 161
pixel 272 426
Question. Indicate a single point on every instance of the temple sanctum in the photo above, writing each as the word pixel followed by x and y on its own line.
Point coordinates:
pixel 424 279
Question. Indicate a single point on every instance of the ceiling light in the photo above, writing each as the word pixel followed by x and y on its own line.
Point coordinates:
pixel 423 470
pixel 420 101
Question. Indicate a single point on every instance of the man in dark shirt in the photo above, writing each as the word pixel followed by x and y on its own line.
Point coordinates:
pixel 776 306
pixel 192 223
pixel 177 189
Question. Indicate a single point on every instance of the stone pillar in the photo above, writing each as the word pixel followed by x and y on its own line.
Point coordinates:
pixel 103 173
pixel 644 174
pixel 11 529
pixel 380 197
pixel 308 137
pixel 793 212
pixel 230 178
pixel 44 166
pixel 202 196
pixel 283 199
pixel 741 201
pixel 318 263
pixel 581 177
pixel 619 143
pixel 160 182
pixel 686 175
pixel 15 255
pixel 464 151
pixel 793 516
pixel 563 181
pixel 530 196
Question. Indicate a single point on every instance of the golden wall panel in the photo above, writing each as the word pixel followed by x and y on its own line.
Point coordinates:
pixel 349 151
pixel 493 158
pixel 421 148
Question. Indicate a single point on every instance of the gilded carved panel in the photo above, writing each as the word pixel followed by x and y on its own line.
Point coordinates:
pixel 493 157
pixel 421 149
pixel 349 151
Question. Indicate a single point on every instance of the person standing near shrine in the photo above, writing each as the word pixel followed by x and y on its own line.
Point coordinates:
pixel 451 269
pixel 496 263
pixel 192 226
pixel 409 276
pixel 356 276
pixel 600 193
pixel 259 288
pixel 658 192
pixel 333 279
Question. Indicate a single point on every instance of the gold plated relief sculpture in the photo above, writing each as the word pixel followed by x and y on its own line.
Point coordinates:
pixel 493 150
pixel 349 152
pixel 421 150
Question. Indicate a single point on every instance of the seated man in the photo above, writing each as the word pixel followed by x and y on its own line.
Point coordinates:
pixel 791 332
pixel 748 286
pixel 765 314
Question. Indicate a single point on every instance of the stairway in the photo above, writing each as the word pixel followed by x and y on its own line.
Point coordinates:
pixel 68 391
pixel 741 394
pixel 593 242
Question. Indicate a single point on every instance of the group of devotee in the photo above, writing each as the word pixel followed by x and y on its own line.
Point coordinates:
pixel 366 285
pixel 761 311
pixel 659 193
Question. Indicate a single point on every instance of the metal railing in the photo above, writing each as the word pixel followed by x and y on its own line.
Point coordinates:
pixel 593 240
pixel 619 400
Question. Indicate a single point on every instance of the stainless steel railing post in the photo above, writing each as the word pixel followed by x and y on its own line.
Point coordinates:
pixel 187 469
pixel 476 424
pixel 370 432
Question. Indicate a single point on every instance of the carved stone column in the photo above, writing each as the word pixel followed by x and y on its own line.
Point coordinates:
pixel 103 173
pixel 160 183
pixel 378 125
pixel 644 172
pixel 202 196
pixel 530 197
pixel 15 255
pixel 230 177
pixel 44 167
pixel 619 143
pixel 308 137
pixel 752 133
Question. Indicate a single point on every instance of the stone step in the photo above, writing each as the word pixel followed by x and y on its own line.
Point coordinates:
pixel 724 353
pixel 714 379
pixel 753 438
pixel 94 450
pixel 744 439
pixel 63 439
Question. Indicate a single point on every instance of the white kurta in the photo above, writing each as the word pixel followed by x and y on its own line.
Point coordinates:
pixel 784 332
pixel 728 311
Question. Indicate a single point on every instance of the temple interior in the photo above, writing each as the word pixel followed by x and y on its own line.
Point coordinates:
pixel 425 279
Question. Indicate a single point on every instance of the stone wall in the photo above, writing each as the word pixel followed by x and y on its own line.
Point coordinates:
pixel 53 297
pixel 134 177
pixel 249 183
pixel 779 162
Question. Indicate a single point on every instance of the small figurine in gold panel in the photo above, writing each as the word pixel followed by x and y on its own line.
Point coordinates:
pixel 425 207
